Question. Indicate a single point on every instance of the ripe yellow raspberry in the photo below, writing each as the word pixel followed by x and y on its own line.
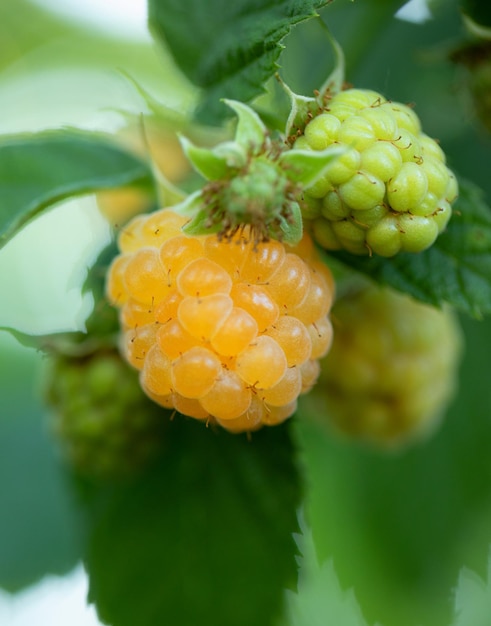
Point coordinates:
pixel 390 191
pixel 392 369
pixel 223 330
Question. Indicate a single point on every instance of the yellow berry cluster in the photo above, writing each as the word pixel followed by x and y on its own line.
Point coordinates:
pixel 223 330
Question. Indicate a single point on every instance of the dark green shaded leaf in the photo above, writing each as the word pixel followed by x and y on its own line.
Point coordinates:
pixel 229 49
pixel 478 11
pixel 205 538
pixel 456 269
pixel 38 521
pixel 39 169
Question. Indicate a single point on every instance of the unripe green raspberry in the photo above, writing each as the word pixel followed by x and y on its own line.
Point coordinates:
pixel 389 166
pixel 106 426
pixel 392 368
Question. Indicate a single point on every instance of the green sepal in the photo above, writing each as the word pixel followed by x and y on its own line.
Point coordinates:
pixel 304 106
pixel 234 153
pixel 300 109
pixel 306 166
pixel 201 225
pixel 206 162
pixel 190 205
pixel 250 133
pixel 215 163
pixel 292 231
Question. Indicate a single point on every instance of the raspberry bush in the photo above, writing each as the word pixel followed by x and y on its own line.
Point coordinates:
pixel 287 267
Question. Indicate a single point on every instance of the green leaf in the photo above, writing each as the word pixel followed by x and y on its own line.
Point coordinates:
pixel 204 538
pixel 456 269
pixel 472 599
pixel 320 600
pixel 229 49
pixel 39 520
pixel 40 169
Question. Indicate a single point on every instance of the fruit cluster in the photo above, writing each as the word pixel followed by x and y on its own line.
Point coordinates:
pixel 390 191
pixel 226 330
pixel 106 425
pixel 392 368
